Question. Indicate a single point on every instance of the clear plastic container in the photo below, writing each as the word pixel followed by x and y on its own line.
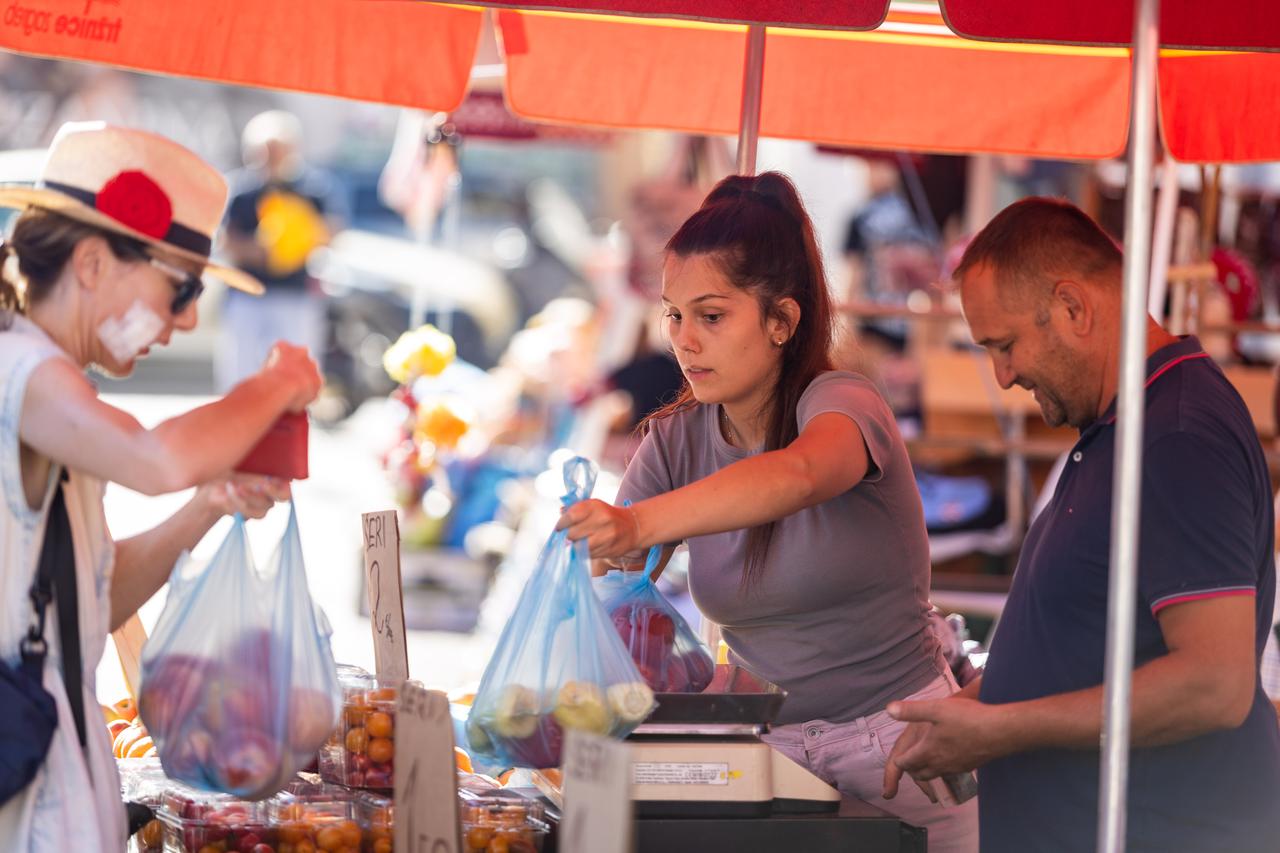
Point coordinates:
pixel 361 754
pixel 377 816
pixel 322 821
pixel 201 822
pixel 142 780
pixel 502 825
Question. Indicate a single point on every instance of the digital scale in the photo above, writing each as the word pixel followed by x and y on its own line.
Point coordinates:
pixel 702 779
pixel 700 755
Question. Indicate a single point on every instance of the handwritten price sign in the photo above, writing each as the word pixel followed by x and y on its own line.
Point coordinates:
pixel 386 605
pixel 426 795
pixel 597 795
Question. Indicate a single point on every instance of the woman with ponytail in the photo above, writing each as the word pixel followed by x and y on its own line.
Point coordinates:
pixel 791 486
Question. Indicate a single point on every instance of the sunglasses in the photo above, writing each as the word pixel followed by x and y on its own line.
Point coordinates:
pixel 187 286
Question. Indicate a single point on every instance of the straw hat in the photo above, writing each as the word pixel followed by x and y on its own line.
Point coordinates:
pixel 134 183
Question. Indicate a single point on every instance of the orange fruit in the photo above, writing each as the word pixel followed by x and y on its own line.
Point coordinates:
pixel 152 835
pixel 127 708
pixel 140 748
pixel 357 740
pixel 463 760
pixel 109 714
pixel 329 838
pixel 380 724
pixel 381 694
pixel 350 833
pixel 124 740
pixel 116 726
pixel 294 831
pixel 381 750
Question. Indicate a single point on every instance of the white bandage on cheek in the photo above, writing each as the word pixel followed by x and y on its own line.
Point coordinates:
pixel 127 336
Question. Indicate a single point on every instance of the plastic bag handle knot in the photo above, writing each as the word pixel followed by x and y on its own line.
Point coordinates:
pixel 651 562
pixel 579 480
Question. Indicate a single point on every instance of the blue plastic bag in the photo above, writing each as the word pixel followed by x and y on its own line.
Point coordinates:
pixel 668 654
pixel 239 688
pixel 558 664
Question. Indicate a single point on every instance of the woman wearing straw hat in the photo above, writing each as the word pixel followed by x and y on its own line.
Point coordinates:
pixel 105 261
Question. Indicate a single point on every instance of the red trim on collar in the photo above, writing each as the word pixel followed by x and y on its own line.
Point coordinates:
pixel 1163 369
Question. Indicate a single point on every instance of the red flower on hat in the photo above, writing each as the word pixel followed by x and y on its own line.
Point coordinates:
pixel 133 199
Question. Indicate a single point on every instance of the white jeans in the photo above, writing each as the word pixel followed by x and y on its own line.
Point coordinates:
pixel 252 325
pixel 852 756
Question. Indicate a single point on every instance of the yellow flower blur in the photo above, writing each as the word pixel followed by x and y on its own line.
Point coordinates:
pixel 441 423
pixel 424 351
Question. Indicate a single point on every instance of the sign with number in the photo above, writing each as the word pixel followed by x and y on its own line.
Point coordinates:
pixel 426 794
pixel 597 795
pixel 386 606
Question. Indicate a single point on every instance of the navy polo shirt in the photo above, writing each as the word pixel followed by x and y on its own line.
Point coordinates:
pixel 1206 530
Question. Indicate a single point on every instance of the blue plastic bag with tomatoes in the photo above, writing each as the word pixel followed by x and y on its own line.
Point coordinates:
pixel 239 688
pixel 668 654
pixel 558 664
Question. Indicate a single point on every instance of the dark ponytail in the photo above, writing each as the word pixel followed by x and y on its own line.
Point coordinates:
pixel 42 241
pixel 757 231
pixel 10 299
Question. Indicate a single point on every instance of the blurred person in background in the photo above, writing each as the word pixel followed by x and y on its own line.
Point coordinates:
pixel 888 254
pixel 104 262
pixel 281 210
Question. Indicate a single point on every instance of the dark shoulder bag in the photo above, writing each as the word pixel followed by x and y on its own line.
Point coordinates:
pixel 31 715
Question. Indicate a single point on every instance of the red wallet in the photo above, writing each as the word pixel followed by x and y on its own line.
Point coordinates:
pixel 282 452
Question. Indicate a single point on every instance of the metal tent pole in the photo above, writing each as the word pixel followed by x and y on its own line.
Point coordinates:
pixel 1162 242
pixel 1125 508
pixel 752 87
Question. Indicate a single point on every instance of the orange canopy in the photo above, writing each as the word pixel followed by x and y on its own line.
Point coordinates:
pixel 395 52
pixel 1220 107
pixel 910 84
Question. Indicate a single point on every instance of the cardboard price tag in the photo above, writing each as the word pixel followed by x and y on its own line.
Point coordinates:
pixel 597 795
pixel 426 793
pixel 386 604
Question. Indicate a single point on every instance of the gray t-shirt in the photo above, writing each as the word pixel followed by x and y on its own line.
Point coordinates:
pixel 838 618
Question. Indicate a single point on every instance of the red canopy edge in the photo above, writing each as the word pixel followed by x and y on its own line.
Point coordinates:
pixel 1190 24
pixel 809 14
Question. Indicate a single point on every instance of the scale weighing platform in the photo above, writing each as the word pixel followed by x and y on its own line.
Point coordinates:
pixel 702 779
pixel 700 754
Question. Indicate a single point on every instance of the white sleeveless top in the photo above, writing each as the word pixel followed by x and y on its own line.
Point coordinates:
pixel 74 802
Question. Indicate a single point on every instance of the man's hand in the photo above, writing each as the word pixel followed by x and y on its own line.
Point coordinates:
pixel 948 736
pixel 910 736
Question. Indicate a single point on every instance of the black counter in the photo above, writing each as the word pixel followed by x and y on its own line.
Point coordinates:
pixel 854 826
